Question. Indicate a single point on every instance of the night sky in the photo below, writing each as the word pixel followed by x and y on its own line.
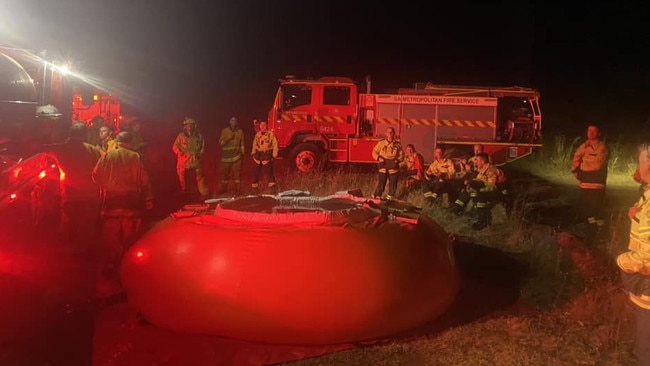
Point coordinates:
pixel 218 58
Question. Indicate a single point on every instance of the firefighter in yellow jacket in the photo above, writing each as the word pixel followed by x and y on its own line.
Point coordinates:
pixel 482 188
pixel 106 139
pixel 590 169
pixel 264 151
pixel 189 147
pixel 440 177
pixel 635 263
pixel 389 154
pixel 125 191
pixel 413 165
pixel 232 150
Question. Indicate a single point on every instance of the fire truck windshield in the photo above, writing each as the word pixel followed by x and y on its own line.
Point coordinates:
pixel 295 95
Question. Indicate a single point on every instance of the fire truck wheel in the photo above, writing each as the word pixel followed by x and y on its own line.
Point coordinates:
pixel 306 157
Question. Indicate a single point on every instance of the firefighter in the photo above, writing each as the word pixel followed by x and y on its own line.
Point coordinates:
pixel 414 166
pixel 468 164
pixel 637 178
pixel 189 147
pixel 440 177
pixel 590 169
pixel 635 263
pixel 264 151
pixel 125 191
pixel 139 144
pixel 232 150
pixel 481 188
pixel 106 140
pixel 76 160
pixel 503 193
pixel 96 124
pixel 389 154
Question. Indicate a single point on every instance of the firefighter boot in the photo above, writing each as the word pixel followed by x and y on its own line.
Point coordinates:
pixel 274 189
pixel 255 189
pixel 456 209
pixel 483 219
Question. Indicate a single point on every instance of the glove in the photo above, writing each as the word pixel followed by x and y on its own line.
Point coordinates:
pixel 476 184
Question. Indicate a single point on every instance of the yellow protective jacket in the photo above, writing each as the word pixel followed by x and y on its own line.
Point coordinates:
pixel 414 165
pixel 232 144
pixel 123 182
pixel 489 176
pixel 392 153
pixel 106 146
pixel 443 168
pixel 188 150
pixel 636 261
pixel 265 147
pixel 590 164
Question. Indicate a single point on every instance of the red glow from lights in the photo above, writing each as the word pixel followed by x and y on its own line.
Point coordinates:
pixel 13 196
pixel 42 174
pixel 53 166
pixel 139 254
pixel 61 174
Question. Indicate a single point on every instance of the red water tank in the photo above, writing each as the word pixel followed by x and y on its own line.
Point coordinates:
pixel 308 270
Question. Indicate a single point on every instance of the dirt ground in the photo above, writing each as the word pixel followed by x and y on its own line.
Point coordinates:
pixel 51 316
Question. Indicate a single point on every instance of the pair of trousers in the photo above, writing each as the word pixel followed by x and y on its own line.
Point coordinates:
pixel 259 170
pixel 201 184
pixel 228 168
pixel 381 184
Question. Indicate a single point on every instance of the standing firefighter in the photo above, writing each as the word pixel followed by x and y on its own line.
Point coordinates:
pixel 264 151
pixel 106 140
pixel 93 130
pixel 389 154
pixel 481 188
pixel 79 195
pixel 189 147
pixel 232 149
pixel 635 263
pixel 440 177
pixel 590 169
pixel 124 190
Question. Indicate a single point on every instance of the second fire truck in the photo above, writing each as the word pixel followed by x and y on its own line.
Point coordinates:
pixel 329 120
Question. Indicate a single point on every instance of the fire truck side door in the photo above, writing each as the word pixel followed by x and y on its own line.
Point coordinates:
pixel 337 112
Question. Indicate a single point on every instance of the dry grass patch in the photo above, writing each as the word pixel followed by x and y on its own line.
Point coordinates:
pixel 581 321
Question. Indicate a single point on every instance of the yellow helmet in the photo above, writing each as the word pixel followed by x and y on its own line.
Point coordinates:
pixel 189 121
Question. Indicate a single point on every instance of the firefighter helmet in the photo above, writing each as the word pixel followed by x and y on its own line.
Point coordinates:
pixel 189 121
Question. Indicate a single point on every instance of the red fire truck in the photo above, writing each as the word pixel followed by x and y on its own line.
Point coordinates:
pixel 91 103
pixel 329 120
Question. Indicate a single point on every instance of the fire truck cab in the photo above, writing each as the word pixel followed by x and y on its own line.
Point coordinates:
pixel 27 174
pixel 329 120
pixel 90 103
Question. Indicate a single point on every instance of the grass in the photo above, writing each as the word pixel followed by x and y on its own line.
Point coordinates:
pixel 580 315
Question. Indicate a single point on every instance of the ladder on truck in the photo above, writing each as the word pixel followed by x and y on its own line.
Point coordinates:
pixel 338 148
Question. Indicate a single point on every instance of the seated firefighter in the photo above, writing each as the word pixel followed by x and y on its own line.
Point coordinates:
pixel 482 188
pixel 440 177
pixel 413 166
